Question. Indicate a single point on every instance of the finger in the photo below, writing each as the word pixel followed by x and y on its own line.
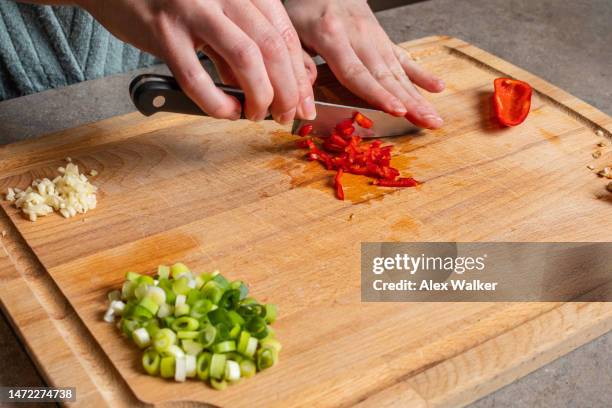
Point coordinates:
pixel 277 16
pixel 374 62
pixel 223 69
pixel 243 55
pixel 417 74
pixel 311 67
pixel 420 111
pixel 350 71
pixel 182 60
pixel 275 56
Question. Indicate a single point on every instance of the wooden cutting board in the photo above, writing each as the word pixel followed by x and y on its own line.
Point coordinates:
pixel 239 197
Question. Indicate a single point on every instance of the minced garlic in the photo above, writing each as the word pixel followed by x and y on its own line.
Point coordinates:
pixel 69 194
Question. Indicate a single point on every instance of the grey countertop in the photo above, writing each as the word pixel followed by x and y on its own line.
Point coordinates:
pixel 564 42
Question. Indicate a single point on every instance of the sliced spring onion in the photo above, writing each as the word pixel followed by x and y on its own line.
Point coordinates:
pixel 186 335
pixel 212 291
pixel 181 310
pixel 271 312
pixel 180 300
pixel 163 339
pixel 251 347
pixel 243 341
pixel 230 299
pixel 141 337
pixel 149 304
pixel 235 318
pixel 165 310
pixel 163 271
pixel 203 365
pixel 180 369
pixel 247 368
pixel 224 346
pixel 180 286
pixel 152 327
pixel 178 269
pixel 145 280
pixel 192 347
pixel 217 366
pixel 188 325
pixel 150 361
pixel 270 342
pixel 118 307
pixel 218 384
pixel 207 335
pixel 166 367
pixel 235 331
pixel 109 316
pixel 132 276
pixel 266 358
pixel 156 294
pixel 127 290
pixel 200 308
pixel 257 327
pixel 185 323
pixel 232 371
pixel 174 350
pixel 190 365
pixel 141 290
pixel 114 295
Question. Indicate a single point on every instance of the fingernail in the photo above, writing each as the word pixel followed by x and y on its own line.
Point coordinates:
pixel 441 85
pixel 398 108
pixel 308 108
pixel 434 121
pixel 287 117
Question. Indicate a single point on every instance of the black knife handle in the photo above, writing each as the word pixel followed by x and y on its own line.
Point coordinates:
pixel 153 93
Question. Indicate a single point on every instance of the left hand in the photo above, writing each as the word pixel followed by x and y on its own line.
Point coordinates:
pixel 363 58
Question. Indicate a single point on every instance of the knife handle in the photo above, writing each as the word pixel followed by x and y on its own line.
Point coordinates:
pixel 153 93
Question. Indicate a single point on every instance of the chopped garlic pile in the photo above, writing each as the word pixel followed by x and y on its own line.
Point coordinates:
pixel 70 193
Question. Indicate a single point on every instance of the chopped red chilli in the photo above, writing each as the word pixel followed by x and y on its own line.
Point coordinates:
pixel 344 151
pixel 338 184
pixel 305 130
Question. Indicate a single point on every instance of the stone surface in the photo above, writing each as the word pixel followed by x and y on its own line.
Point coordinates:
pixel 565 42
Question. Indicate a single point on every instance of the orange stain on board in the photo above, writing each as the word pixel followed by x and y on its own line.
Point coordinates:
pixel 550 136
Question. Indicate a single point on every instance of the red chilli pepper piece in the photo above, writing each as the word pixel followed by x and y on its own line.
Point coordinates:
pixel 512 101
pixel 338 184
pixel 400 182
pixel 305 130
pixel 363 121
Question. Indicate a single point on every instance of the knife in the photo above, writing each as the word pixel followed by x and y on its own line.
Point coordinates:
pixel 153 93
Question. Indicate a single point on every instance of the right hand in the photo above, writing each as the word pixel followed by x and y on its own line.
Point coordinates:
pixel 252 43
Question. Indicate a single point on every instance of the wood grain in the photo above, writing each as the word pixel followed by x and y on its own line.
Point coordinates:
pixel 239 197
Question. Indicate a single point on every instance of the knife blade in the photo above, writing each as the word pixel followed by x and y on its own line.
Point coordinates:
pixel 153 93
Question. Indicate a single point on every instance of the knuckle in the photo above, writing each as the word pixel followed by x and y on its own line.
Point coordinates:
pixel 290 37
pixel 354 69
pixel 382 75
pixel 245 55
pixel 329 26
pixel 271 45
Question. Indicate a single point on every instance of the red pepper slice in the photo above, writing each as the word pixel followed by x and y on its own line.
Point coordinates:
pixel 512 100
pixel 400 182
pixel 305 130
pixel 363 120
pixel 338 184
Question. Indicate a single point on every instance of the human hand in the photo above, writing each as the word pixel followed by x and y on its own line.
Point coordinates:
pixel 252 42
pixel 363 58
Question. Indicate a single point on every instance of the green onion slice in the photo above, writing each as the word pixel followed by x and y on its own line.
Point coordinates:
pixel 203 365
pixel 151 361
pixel 224 346
pixel 217 366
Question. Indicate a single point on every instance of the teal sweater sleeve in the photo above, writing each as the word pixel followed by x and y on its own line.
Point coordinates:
pixel 44 47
